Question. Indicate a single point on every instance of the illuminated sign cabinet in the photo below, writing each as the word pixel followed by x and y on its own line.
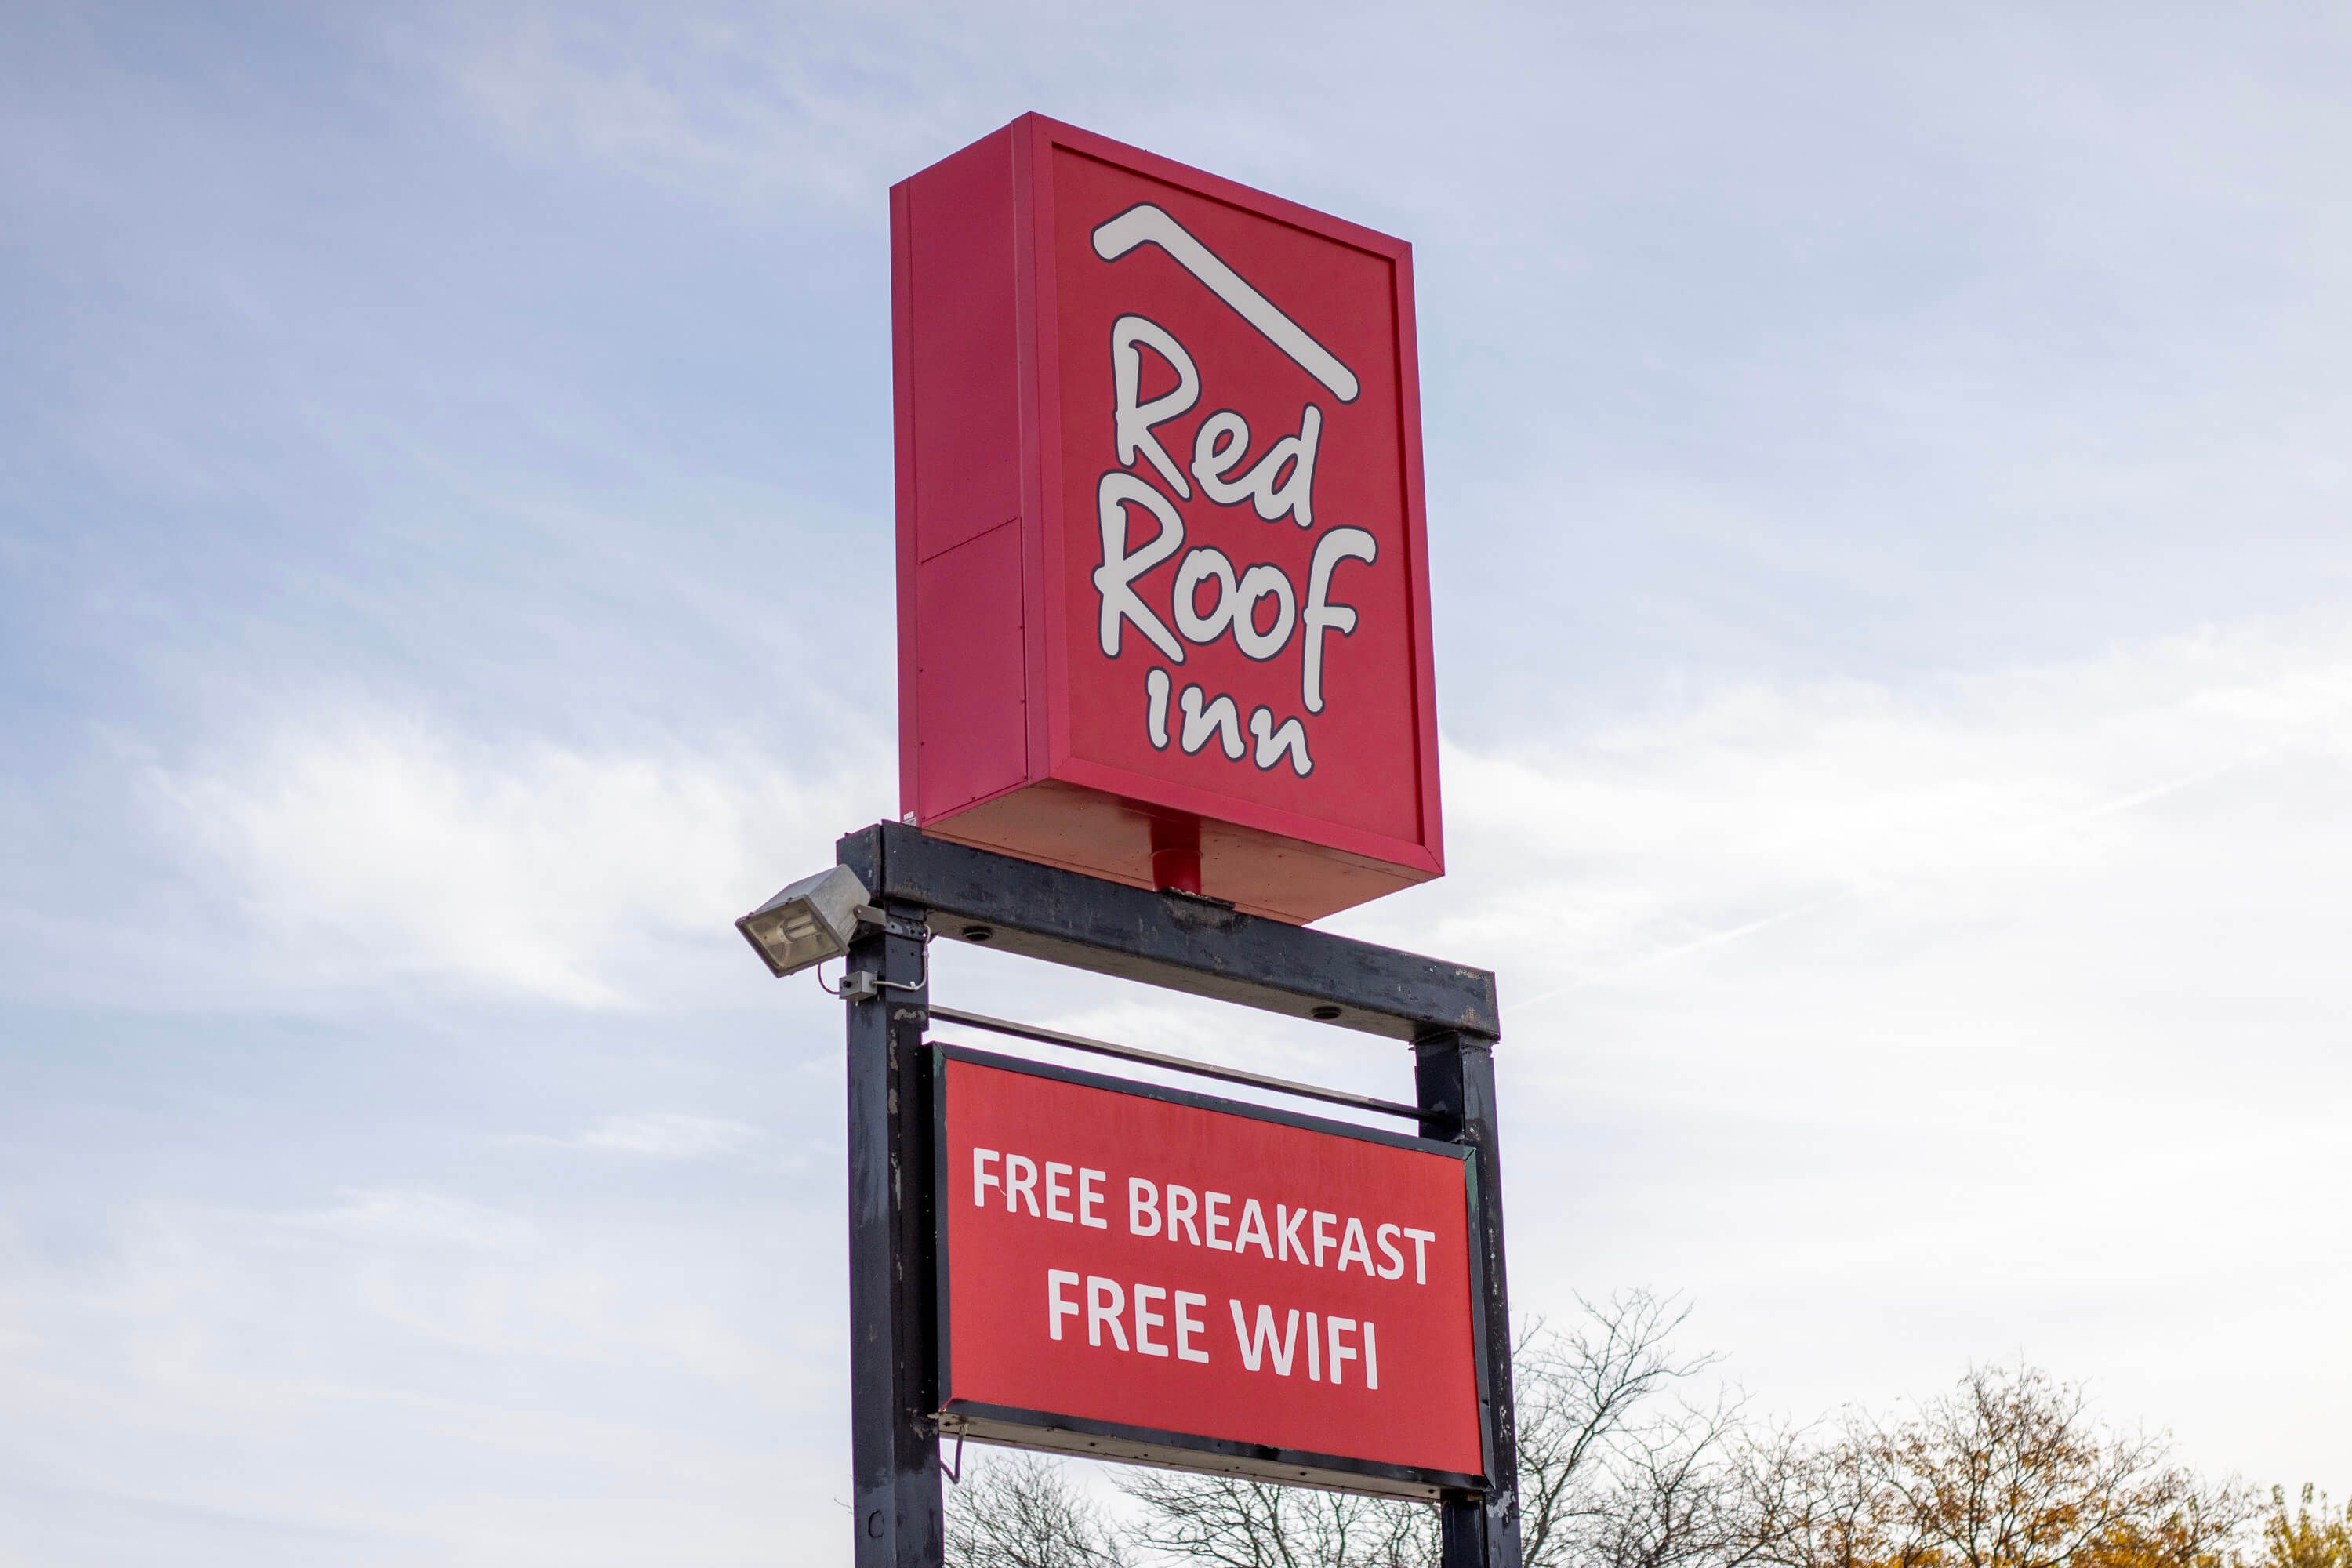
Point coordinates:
pixel 1161 572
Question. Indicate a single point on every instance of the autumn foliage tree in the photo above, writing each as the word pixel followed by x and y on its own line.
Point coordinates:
pixel 2007 1471
pixel 2310 1535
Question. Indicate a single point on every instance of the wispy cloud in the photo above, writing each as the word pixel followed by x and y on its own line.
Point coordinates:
pixel 1900 1023
pixel 366 847
pixel 830 103
pixel 1813 393
pixel 667 1136
pixel 1757 802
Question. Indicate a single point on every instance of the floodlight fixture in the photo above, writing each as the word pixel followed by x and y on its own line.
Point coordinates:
pixel 810 921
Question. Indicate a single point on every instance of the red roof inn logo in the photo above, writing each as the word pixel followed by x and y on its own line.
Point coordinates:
pixel 1278 486
pixel 1162 573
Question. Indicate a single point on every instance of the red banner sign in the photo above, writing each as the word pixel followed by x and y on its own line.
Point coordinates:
pixel 1144 1273
pixel 1162 576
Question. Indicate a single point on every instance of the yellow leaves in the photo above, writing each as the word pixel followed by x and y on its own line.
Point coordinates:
pixel 2312 1536
pixel 2010 1470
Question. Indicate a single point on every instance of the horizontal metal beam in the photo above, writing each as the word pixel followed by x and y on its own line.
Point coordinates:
pixel 1097 1440
pixel 1170 939
pixel 1177 1064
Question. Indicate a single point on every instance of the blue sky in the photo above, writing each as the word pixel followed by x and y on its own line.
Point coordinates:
pixel 1888 487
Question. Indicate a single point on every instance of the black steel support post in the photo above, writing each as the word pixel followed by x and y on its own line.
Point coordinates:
pixel 894 1452
pixel 1454 1073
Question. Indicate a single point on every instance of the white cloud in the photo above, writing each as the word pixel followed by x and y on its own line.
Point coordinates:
pixel 1765 801
pixel 407 1216
pixel 669 1136
pixel 817 102
pixel 1900 1027
pixel 1908 1027
pixel 366 847
pixel 410 1371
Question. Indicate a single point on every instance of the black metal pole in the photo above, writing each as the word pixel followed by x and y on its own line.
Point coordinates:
pixel 1453 1074
pixel 893 1345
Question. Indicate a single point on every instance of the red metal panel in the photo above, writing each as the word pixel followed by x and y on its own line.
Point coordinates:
pixel 1134 1260
pixel 1214 434
pixel 971 688
pixel 967 423
pixel 902 400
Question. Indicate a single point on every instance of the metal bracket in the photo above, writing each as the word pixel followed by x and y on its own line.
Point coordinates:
pixel 913 931
pixel 864 984
pixel 954 1472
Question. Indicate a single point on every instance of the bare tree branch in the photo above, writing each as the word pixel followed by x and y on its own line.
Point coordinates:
pixel 1019 1510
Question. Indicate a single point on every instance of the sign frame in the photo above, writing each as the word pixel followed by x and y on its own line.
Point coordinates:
pixel 929 888
pixel 1055 805
pixel 1055 1432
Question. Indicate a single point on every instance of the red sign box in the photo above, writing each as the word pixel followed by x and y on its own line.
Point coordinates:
pixel 1146 1274
pixel 1162 577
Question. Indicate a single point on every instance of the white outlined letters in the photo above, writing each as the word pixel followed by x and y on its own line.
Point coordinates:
pixel 1132 421
pixel 1155 715
pixel 1220 719
pixel 1115 578
pixel 1320 614
pixel 1274 741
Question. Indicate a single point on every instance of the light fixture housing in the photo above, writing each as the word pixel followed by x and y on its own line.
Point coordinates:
pixel 808 922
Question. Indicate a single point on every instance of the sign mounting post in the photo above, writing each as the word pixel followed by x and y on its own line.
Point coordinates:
pixel 893 1374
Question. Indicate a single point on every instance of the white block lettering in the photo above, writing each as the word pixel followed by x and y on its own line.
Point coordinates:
pixel 1143 1198
pixel 1213 1219
pixel 1020 1183
pixel 1188 1325
pixel 1421 1240
pixel 1182 1206
pixel 1323 1241
pixel 1104 1303
pixel 1254 1226
pixel 1262 1344
pixel 1055 1308
pixel 1339 1352
pixel 1354 1246
pixel 1286 1244
pixel 1144 1344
